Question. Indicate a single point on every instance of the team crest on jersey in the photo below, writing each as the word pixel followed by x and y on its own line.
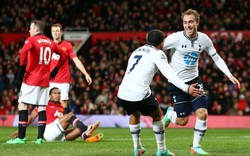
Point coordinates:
pixel 26 42
pixel 64 49
pixel 191 58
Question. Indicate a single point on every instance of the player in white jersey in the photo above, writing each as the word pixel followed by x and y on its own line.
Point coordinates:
pixel 134 93
pixel 188 45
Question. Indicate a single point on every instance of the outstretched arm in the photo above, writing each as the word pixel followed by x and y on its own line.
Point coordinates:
pixel 80 66
pixel 31 118
pixel 220 63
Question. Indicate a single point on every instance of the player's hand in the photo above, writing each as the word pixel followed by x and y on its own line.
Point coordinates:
pixel 194 91
pixel 54 73
pixel 13 135
pixel 88 79
pixel 235 81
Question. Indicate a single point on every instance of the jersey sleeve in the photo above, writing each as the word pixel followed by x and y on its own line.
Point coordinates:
pixel 24 52
pixel 162 64
pixel 170 41
pixel 71 51
pixel 209 46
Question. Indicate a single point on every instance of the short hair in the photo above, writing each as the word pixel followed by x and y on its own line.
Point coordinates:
pixel 155 37
pixel 57 25
pixel 191 12
pixel 51 90
pixel 39 24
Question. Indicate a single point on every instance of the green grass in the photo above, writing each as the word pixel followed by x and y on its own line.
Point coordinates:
pixel 117 141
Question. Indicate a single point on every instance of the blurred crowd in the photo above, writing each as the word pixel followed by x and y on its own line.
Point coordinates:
pixel 106 60
pixel 123 15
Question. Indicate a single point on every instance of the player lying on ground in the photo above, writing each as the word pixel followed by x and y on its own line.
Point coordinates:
pixel 57 123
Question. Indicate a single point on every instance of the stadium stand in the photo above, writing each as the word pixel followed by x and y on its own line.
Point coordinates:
pixel 106 59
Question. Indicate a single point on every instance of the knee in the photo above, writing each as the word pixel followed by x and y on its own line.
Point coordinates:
pixel 70 114
pixel 182 121
pixel 202 113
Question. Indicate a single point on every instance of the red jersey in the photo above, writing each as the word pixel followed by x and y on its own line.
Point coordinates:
pixel 54 110
pixel 36 55
pixel 63 75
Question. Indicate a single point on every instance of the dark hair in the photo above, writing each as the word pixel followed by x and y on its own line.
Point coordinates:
pixel 39 24
pixel 155 37
pixel 51 90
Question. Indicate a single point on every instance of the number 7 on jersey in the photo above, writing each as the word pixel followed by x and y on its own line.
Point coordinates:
pixel 137 57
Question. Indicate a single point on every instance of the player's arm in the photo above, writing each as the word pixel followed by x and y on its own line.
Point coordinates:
pixel 22 63
pixel 80 66
pixel 220 63
pixel 168 72
pixel 31 119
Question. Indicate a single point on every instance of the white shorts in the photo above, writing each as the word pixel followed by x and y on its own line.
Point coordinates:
pixel 63 87
pixel 34 95
pixel 54 132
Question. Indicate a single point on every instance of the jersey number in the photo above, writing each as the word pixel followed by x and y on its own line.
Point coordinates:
pixel 45 55
pixel 137 57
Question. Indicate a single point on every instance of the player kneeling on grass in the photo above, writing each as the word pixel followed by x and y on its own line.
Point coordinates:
pixel 57 123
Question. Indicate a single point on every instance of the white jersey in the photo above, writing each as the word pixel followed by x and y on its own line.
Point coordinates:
pixel 187 52
pixel 142 66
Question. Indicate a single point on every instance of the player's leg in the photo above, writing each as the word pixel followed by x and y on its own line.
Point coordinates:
pixel 22 125
pixel 182 105
pixel 151 108
pixel 54 131
pixel 134 124
pixel 41 123
pixel 42 101
pixel 72 134
pixel 135 129
pixel 86 131
pixel 25 97
pixel 64 88
pixel 200 107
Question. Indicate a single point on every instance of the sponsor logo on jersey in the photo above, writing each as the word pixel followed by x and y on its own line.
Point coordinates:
pixel 191 58
pixel 55 56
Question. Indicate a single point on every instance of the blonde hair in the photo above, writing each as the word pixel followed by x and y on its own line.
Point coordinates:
pixel 191 12
pixel 57 25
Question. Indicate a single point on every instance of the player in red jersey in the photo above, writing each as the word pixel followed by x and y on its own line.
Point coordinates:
pixel 34 75
pixel 62 79
pixel 57 123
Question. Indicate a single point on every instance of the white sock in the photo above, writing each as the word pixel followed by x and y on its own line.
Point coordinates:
pixel 199 131
pixel 136 135
pixel 172 116
pixel 159 131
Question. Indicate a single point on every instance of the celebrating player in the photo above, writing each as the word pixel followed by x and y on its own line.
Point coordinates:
pixel 188 45
pixel 135 95
pixel 33 75
pixel 62 78
pixel 57 123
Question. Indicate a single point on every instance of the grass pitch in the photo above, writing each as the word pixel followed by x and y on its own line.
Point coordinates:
pixel 117 141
